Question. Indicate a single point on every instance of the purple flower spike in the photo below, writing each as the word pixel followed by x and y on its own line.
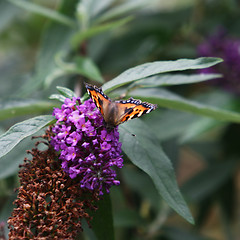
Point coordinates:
pixel 227 48
pixel 87 149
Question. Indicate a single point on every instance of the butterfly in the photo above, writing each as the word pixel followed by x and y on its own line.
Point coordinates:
pixel 117 112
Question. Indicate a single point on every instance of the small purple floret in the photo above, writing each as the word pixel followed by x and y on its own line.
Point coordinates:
pixel 87 149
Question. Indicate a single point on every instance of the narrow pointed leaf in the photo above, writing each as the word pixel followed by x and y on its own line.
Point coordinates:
pixel 49 13
pixel 122 9
pixel 168 99
pixel 19 107
pixel 174 79
pixel 86 67
pixel 94 7
pixel 80 65
pixel 66 92
pixel 145 152
pixel 95 30
pixel 167 127
pixel 198 128
pixel 58 97
pixel 9 164
pixel 167 119
pixel 153 68
pixel 22 130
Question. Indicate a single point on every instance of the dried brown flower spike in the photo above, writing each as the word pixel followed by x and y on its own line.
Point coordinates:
pixel 50 205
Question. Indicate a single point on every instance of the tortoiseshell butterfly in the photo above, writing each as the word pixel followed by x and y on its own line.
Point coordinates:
pixel 117 112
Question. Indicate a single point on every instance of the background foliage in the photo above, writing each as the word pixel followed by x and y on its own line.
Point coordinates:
pixel 45 44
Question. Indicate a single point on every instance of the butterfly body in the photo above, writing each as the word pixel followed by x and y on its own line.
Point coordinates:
pixel 117 112
pixel 111 114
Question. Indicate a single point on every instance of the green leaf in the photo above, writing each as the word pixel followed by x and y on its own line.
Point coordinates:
pixel 168 99
pixel 58 97
pixel 153 68
pixel 173 79
pixel 86 67
pixel 93 7
pixel 7 13
pixel 55 38
pixel 81 65
pixel 197 128
pixel 123 9
pixel 188 125
pixel 35 8
pixel 19 107
pixel 102 222
pixel 145 152
pixel 219 99
pixel 9 164
pixel 66 92
pixel 22 130
pixel 79 37
pixel 163 123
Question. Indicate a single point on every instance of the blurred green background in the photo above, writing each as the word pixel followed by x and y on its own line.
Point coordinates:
pixel 42 45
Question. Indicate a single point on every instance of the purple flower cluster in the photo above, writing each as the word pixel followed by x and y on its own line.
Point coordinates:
pixel 227 48
pixel 87 149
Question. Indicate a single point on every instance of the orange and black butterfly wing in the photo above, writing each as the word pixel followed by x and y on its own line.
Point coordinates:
pixel 99 98
pixel 132 108
pixel 115 113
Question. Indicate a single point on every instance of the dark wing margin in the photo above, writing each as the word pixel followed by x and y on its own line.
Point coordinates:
pixel 133 108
